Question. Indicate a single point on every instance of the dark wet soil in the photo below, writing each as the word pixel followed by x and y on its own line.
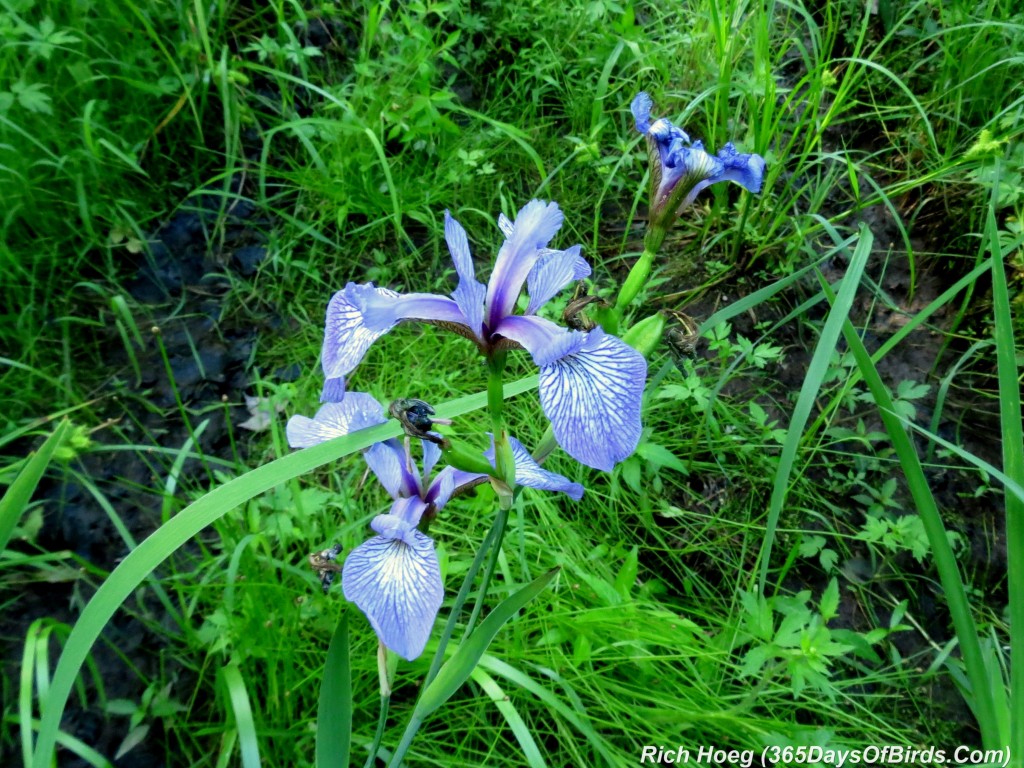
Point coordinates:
pixel 193 354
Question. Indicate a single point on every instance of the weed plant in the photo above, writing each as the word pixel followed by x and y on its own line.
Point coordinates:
pixel 768 569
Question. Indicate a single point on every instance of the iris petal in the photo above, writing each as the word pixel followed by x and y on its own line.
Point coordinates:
pixel 534 334
pixel 530 474
pixel 641 109
pixel 431 453
pixel 747 170
pixel 398 586
pixel 535 225
pixel 387 460
pixel 357 411
pixel 470 293
pixel 592 398
pixel 358 315
pixel 553 271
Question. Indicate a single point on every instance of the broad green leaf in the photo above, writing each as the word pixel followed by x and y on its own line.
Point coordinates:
pixel 830 601
pixel 334 715
pixel 20 491
pixel 458 668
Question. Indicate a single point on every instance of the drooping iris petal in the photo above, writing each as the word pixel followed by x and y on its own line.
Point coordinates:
pixel 357 411
pixel 358 315
pixel 553 271
pixel 747 170
pixel 530 474
pixel 641 109
pixel 398 586
pixel 470 293
pixel 591 394
pixel 431 453
pixel 535 225
pixel 534 334
pixel 590 388
pixel 409 511
pixel 387 461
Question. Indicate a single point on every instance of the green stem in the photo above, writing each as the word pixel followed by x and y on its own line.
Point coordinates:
pixel 460 601
pixel 500 522
pixel 371 759
pixel 504 464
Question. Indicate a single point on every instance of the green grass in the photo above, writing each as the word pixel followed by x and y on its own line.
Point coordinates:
pixel 763 572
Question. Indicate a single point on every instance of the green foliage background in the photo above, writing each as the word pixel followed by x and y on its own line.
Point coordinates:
pixel 352 127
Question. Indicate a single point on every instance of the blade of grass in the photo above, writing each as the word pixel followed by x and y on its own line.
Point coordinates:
pixel 983 702
pixel 171 484
pixel 241 708
pixel 815 375
pixel 518 726
pixel 20 491
pixel 577 718
pixel 334 714
pixel 1013 466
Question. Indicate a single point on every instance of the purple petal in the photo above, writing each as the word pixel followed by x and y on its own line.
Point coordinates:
pixel 553 271
pixel 470 293
pixel 441 490
pixel 389 463
pixel 592 397
pixel 505 225
pixel 535 334
pixel 358 315
pixel 392 526
pixel 357 410
pixel 641 109
pixel 334 390
pixel 535 225
pixel 747 170
pixel 431 453
pixel 530 474
pixel 403 518
pixel 398 586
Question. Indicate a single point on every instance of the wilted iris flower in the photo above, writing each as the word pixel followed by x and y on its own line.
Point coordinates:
pixel 680 169
pixel 394 577
pixel 591 382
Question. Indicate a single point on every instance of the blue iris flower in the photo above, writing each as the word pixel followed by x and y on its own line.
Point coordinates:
pixel 394 577
pixel 680 169
pixel 591 383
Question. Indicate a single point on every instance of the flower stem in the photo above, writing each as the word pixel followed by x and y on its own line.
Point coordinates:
pixel 460 601
pixel 504 464
pixel 499 523
pixel 385 673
